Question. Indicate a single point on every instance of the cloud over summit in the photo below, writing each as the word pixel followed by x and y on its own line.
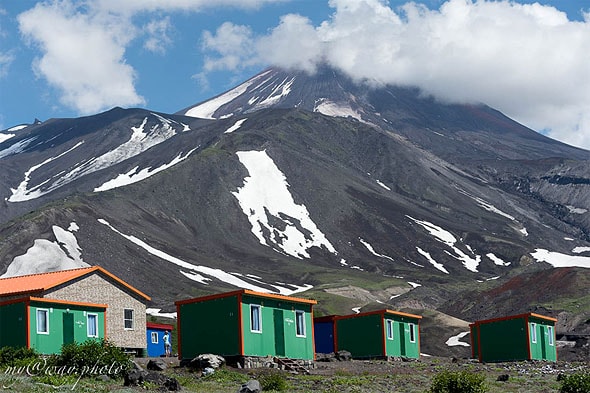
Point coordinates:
pixel 528 60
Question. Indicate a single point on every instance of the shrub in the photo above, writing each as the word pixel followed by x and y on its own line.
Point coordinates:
pixel 458 382
pixel 94 357
pixel 575 383
pixel 12 357
pixel 273 381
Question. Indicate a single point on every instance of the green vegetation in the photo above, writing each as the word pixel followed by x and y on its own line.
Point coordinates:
pixel 16 357
pixel 273 381
pixel 93 357
pixel 458 382
pixel 575 383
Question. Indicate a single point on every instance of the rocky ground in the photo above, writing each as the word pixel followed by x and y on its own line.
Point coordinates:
pixel 373 376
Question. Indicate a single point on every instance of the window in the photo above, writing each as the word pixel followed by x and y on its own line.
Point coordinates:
pixel 42 321
pixel 300 323
pixel 255 318
pixel 550 333
pixel 389 329
pixel 128 319
pixel 92 325
pixel 534 333
pixel 412 333
pixel 154 337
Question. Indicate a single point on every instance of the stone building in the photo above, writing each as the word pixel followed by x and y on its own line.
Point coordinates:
pixel 125 305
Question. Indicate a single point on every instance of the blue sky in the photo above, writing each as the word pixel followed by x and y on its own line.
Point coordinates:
pixel 69 58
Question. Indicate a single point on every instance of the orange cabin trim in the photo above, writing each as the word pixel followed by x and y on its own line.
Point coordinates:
pixel 381 312
pixel 242 292
pixel 67 302
pixel 28 322
pixel 506 318
pixel 528 337
pixel 240 327
pixel 178 335
pixel 162 326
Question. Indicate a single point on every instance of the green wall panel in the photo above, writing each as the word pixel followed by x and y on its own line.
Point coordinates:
pixel 401 345
pixel 210 326
pixel 503 340
pixel 278 336
pixel 542 349
pixel 13 331
pixel 362 336
pixel 67 323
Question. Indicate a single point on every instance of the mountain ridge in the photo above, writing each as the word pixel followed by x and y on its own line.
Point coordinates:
pixel 429 203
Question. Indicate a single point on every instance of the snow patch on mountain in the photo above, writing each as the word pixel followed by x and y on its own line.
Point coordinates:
pixel 133 176
pixel 579 250
pixel 470 263
pixel 456 340
pixel 5 137
pixel 330 108
pixel 17 128
pixel 279 91
pixel 496 260
pixel 157 312
pixel 236 125
pixel 383 185
pixel 557 259
pixel 22 192
pixel 372 250
pixel 140 141
pixel 47 256
pixel 265 198
pixel 199 273
pixel 576 210
pixel 430 259
pixel 16 147
pixel 206 109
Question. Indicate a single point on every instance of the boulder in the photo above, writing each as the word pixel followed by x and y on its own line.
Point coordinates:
pixel 252 386
pixel 172 385
pixel 207 360
pixel 156 365
pixel 343 355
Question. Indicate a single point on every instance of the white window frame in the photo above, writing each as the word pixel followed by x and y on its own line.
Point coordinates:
pixel 412 332
pixel 533 332
pixel 88 315
pixel 550 334
pixel 299 323
pixel 45 312
pixel 125 319
pixel 389 329
pixel 155 338
pixel 258 317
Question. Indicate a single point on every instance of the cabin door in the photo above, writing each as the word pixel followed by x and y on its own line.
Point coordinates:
pixel 279 323
pixel 543 341
pixel 402 339
pixel 68 327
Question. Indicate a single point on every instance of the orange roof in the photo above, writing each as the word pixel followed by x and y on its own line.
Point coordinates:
pixel 33 283
pixel 381 312
pixel 246 292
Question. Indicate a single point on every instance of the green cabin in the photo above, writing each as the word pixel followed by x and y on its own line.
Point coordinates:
pixel 519 337
pixel 246 323
pixel 46 324
pixel 378 334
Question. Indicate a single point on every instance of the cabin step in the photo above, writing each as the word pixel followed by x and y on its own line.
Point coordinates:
pixel 292 365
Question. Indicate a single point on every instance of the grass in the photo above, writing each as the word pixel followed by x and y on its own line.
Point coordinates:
pixel 347 377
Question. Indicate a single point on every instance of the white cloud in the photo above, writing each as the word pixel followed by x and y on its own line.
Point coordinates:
pixel 83 55
pixel 135 6
pixel 158 35
pixel 527 60
pixel 83 45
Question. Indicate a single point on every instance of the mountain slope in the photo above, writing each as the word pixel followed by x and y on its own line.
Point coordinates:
pixel 295 182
